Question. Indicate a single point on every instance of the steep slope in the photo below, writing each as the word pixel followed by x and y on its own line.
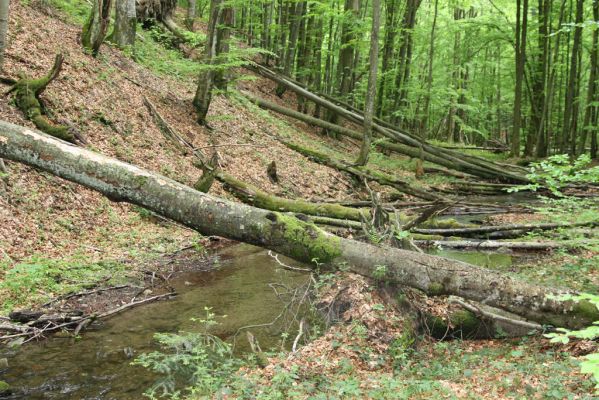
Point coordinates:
pixel 103 97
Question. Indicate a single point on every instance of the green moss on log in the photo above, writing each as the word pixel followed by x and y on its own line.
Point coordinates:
pixel 307 242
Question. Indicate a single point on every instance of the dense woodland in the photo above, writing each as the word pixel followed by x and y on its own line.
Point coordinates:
pixel 428 168
pixel 470 72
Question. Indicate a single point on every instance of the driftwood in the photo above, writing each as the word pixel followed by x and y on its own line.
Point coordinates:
pixel 288 235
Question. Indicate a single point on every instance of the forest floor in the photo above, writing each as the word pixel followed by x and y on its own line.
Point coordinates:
pixel 58 238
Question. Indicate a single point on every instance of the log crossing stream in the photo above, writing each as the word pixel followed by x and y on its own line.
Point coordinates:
pixel 98 365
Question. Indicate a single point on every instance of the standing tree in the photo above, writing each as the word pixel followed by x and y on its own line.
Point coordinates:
pixel 125 23
pixel 521 28
pixel 3 29
pixel 96 26
pixel 591 114
pixel 191 15
pixel 371 90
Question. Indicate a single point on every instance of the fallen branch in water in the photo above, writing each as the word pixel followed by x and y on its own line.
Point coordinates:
pixel 78 322
pixel 494 244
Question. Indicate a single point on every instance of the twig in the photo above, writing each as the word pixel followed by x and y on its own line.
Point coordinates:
pixel 276 257
pixel 299 335
pixel 230 145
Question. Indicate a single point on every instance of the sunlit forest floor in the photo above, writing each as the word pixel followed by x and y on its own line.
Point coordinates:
pixel 56 237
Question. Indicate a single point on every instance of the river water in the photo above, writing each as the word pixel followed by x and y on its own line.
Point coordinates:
pixel 98 366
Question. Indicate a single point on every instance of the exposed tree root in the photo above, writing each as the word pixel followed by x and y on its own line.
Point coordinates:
pixel 27 93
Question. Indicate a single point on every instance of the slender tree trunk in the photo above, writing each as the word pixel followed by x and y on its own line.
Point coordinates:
pixel 191 15
pixel 3 29
pixel 569 127
pixel 521 28
pixel 591 112
pixel 388 45
pixel 287 234
pixel 223 39
pixel 125 23
pixel 96 26
pixel 371 90
pixel 429 78
pixel 203 94
pixel 296 19
pixel 346 52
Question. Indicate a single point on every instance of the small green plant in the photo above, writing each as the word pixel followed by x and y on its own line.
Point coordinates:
pixel 590 365
pixel 195 363
pixel 380 272
pixel 557 171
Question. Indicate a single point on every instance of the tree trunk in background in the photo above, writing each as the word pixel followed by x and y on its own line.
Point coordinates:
pixel 429 78
pixel 539 78
pixel 125 23
pixel 371 90
pixel 287 234
pixel 96 26
pixel 569 127
pixel 203 95
pixel 296 17
pixel 346 53
pixel 405 57
pixel 223 39
pixel 191 15
pixel 388 45
pixel 591 113
pixel 521 28
pixel 3 29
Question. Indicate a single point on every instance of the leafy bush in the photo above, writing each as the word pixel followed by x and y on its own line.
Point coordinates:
pixel 556 172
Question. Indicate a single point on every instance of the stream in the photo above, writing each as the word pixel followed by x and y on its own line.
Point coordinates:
pixel 98 365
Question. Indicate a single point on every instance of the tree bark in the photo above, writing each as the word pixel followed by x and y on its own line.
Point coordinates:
pixel 94 30
pixel 4 5
pixel 521 30
pixel 125 23
pixel 286 234
pixel 203 95
pixel 465 232
pixel 191 15
pixel 591 114
pixel 371 89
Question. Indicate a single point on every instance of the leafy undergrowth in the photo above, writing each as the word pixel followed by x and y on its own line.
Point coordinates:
pixel 375 352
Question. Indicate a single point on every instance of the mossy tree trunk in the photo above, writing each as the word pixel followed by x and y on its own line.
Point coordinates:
pixel 27 93
pixel 125 23
pixel 96 26
pixel 286 234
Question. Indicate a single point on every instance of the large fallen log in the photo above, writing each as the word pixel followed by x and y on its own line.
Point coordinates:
pixel 383 144
pixel 363 172
pixel 286 234
pixel 250 194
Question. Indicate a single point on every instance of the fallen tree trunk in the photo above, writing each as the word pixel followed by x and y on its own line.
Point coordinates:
pixel 286 234
pixel 383 144
pixel 493 244
pixel 471 165
pixel 363 172
pixel 464 232
pixel 251 195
